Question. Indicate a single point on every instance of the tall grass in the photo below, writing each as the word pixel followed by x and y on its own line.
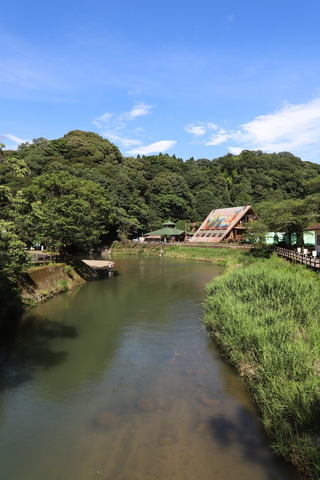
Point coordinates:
pixel 266 319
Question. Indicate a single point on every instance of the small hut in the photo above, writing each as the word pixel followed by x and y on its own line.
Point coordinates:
pixel 169 233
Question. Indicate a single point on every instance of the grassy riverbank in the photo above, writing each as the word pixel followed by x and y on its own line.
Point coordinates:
pixel 229 257
pixel 265 318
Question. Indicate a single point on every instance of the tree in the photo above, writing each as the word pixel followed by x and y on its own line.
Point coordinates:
pixel 67 211
pixel 13 256
pixel 289 216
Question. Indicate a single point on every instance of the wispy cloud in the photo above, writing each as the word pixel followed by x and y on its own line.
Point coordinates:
pixel 101 121
pixel 220 137
pixel 156 147
pixel 12 139
pixel 139 110
pixel 118 128
pixel 125 142
pixel 200 128
pixel 292 128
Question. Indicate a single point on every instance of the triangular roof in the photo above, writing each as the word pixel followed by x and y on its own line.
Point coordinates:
pixel 220 222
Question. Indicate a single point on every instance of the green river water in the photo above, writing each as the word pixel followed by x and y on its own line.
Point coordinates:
pixel 117 380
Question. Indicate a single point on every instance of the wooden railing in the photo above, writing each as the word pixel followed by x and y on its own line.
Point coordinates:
pixel 306 259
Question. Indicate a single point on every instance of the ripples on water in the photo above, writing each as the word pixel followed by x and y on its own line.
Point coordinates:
pixel 118 381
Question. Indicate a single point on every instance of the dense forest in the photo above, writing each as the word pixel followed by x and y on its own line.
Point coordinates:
pixel 80 192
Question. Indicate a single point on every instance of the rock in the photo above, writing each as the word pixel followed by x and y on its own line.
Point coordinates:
pixel 147 404
pixel 210 402
pixel 203 427
pixel 107 420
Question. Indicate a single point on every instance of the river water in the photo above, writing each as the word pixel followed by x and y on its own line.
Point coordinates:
pixel 117 380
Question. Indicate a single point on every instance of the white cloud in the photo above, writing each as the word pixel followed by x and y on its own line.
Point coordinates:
pixel 114 127
pixel 124 141
pixel 100 121
pixel 12 138
pixel 235 150
pixel 200 128
pixel 196 129
pixel 139 110
pixel 292 128
pixel 156 147
pixel 221 137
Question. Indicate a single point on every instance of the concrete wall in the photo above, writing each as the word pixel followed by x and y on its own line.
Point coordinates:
pixel 39 283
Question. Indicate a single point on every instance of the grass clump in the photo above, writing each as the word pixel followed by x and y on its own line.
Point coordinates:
pixel 265 318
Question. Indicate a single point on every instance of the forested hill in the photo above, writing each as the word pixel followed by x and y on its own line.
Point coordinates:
pixel 79 189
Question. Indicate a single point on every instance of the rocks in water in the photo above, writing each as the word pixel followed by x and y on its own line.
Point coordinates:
pixel 205 429
pixel 209 402
pixel 147 404
pixel 107 420
pixel 165 403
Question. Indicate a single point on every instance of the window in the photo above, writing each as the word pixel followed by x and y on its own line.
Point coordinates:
pixel 318 239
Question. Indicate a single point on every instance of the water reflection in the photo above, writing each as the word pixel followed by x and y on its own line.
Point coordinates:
pixel 124 384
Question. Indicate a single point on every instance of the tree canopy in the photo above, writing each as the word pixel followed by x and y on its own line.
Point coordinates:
pixel 78 190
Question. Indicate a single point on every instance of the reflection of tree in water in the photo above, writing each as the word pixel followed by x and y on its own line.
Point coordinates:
pixel 26 346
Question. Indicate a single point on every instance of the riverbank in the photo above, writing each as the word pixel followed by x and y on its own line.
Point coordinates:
pixel 230 257
pixel 265 318
pixel 263 313
pixel 37 284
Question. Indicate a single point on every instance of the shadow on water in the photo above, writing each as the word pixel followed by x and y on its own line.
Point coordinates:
pixel 238 431
pixel 11 305
pixel 26 345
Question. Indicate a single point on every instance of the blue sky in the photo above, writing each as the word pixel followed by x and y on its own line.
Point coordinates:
pixel 199 78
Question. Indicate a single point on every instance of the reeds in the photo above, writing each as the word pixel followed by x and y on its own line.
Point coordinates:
pixel 266 319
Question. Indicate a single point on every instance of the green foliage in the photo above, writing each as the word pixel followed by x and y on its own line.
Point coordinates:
pixel 78 191
pixel 265 317
pixel 71 211
pixel 13 256
pixel 62 285
pixel 290 216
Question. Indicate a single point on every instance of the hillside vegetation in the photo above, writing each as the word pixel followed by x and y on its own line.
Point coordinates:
pixel 78 191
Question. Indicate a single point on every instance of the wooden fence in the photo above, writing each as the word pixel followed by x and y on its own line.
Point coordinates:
pixel 306 259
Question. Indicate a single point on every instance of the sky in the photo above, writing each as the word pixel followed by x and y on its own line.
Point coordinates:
pixel 192 78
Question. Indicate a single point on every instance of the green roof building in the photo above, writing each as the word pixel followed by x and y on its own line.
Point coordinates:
pixel 169 231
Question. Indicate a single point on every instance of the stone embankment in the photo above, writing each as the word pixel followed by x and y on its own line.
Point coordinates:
pixel 39 283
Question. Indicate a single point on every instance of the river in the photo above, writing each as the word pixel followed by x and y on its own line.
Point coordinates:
pixel 117 380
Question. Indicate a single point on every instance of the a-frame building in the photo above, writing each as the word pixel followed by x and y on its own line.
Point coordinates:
pixel 225 224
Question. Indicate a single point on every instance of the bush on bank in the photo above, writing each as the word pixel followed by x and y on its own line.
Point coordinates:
pixel 265 318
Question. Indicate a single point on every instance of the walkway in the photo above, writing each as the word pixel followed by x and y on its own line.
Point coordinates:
pixel 308 260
